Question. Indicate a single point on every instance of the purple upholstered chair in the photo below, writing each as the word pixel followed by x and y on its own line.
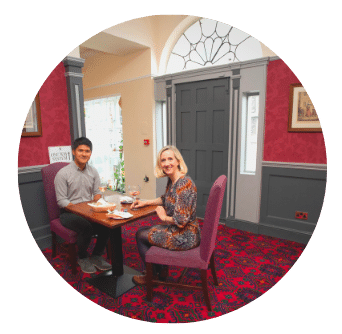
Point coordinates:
pixel 48 174
pixel 201 257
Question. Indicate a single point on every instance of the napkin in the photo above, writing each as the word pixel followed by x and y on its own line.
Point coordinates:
pixel 121 213
pixel 102 202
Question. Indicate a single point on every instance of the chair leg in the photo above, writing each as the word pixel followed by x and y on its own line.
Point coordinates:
pixel 54 243
pixel 204 278
pixel 212 268
pixel 72 257
pixel 149 286
pixel 182 275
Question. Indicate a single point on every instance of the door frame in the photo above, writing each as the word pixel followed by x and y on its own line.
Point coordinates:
pixel 241 83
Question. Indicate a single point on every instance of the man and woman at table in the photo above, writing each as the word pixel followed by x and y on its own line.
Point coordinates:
pixel 179 230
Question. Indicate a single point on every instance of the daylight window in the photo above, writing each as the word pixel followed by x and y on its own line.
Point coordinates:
pixel 249 133
pixel 103 120
pixel 161 130
pixel 208 42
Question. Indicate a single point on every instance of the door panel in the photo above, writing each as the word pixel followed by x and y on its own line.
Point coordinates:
pixel 202 123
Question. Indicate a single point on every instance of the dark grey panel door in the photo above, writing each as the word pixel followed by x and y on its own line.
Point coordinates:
pixel 202 118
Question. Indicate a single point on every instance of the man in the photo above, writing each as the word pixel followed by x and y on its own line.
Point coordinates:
pixel 75 183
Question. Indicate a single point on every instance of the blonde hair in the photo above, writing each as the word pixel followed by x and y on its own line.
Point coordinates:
pixel 158 171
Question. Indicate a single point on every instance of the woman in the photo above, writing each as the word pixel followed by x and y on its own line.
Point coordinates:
pixel 176 209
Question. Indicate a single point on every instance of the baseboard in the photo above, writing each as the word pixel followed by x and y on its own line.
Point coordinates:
pixel 40 232
pixel 44 242
pixel 242 225
pixel 287 234
pixel 269 230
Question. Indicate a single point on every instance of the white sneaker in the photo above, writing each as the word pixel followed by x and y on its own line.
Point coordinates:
pixel 100 263
pixel 86 266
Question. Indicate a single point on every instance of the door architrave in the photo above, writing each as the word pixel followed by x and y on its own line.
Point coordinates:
pixel 231 71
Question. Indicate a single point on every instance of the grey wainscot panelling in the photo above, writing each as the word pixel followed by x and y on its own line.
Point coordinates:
pixel 34 206
pixel 299 187
pixel 287 188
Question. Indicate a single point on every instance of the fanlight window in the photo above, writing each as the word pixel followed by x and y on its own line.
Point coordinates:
pixel 208 43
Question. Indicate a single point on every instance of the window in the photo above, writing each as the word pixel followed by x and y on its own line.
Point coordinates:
pixel 208 43
pixel 161 130
pixel 249 133
pixel 103 122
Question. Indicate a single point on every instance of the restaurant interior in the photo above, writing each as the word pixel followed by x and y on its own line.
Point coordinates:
pixel 276 175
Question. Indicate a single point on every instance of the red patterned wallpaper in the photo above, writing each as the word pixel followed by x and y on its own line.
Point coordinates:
pixel 280 145
pixel 55 121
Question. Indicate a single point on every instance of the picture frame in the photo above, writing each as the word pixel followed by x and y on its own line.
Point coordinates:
pixel 33 124
pixel 302 113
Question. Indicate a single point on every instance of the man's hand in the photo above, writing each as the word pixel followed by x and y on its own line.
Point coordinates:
pixel 97 197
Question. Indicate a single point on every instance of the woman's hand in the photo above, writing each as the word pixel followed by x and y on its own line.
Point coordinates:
pixel 161 213
pixel 138 204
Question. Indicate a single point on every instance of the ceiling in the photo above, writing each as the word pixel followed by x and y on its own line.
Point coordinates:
pixel 107 43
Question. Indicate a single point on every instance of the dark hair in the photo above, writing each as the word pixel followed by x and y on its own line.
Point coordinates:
pixel 82 141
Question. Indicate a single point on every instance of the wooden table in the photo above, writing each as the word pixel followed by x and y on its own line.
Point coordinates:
pixel 118 280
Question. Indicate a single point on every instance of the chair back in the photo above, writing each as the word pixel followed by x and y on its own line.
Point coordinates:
pixel 48 175
pixel 211 218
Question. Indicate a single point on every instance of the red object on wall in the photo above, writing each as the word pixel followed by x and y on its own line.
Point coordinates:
pixel 55 121
pixel 146 142
pixel 279 144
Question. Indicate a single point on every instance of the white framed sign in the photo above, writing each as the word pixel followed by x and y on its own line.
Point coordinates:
pixel 60 154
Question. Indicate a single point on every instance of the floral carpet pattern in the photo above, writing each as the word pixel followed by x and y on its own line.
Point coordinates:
pixel 247 266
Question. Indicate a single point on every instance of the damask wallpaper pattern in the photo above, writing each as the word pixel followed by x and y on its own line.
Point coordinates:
pixel 55 121
pixel 279 144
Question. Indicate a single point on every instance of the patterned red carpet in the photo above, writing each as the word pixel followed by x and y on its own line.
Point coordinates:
pixel 247 266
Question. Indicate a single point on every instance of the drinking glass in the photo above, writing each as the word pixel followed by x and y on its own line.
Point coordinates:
pixel 134 191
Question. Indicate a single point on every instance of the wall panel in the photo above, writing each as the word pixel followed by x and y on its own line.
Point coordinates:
pixel 285 191
pixel 34 206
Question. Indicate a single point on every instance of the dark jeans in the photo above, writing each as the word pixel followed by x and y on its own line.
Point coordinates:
pixel 85 231
pixel 144 245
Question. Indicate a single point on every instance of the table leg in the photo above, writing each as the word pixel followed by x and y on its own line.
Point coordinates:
pixel 117 254
pixel 117 281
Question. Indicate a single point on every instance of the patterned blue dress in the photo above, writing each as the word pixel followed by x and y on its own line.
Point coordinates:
pixel 179 201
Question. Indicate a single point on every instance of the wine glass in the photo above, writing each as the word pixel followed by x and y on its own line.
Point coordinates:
pixel 103 187
pixel 134 191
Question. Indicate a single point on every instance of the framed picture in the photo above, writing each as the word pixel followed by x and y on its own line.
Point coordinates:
pixel 302 113
pixel 33 124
